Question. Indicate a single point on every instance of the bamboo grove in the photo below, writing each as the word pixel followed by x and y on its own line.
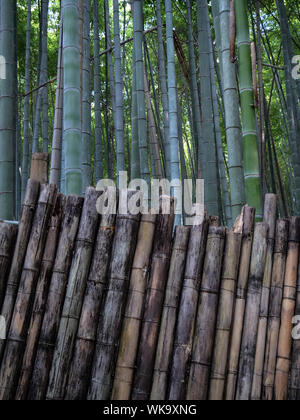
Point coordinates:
pixel 177 89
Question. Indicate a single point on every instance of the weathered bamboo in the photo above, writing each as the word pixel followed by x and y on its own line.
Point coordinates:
pixel 294 383
pixel 8 235
pixel 112 311
pixel 55 299
pixel 270 213
pixel 153 305
pixel 39 167
pixel 248 345
pixel 240 302
pixel 74 296
pixel 40 298
pixel 25 224
pixel 15 345
pixel 207 314
pixel 134 310
pixel 278 271
pixel 81 364
pixel 187 312
pixel 226 308
pixel 287 312
pixel 168 321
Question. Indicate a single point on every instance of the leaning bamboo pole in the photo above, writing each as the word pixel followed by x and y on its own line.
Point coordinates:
pixel 168 321
pixel 207 314
pixel 153 304
pixel 248 345
pixel 8 235
pixel 110 322
pixel 134 310
pixel 187 312
pixel 40 299
pixel 55 299
pixel 74 296
pixel 294 383
pixel 287 312
pixel 278 271
pixel 240 303
pixel 12 358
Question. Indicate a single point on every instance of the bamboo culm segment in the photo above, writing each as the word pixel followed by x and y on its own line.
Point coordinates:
pixel 8 235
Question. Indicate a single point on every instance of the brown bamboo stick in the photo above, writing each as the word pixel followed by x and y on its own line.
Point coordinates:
pixel 240 303
pixel 39 167
pixel 110 323
pixel 270 213
pixel 74 295
pixel 153 305
pixel 248 345
pixel 278 271
pixel 207 314
pixel 15 345
pixel 134 310
pixel 40 298
pixel 294 383
pixel 187 312
pixel 169 314
pixel 55 299
pixel 287 312
pixel 226 309
pixel 28 210
pixel 8 235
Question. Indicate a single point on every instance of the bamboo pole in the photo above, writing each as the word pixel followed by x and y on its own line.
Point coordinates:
pixel 294 383
pixel 134 310
pixel 287 312
pixel 74 296
pixel 270 213
pixel 240 302
pixel 226 309
pixel 55 299
pixel 207 314
pixel 40 298
pixel 248 345
pixel 169 314
pixel 8 235
pixel 153 304
pixel 39 167
pixel 278 271
pixel 187 312
pixel 16 341
pixel 28 210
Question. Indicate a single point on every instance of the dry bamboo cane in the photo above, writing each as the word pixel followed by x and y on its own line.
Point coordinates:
pixel 28 210
pixel 248 345
pixel 40 298
pixel 153 304
pixel 187 312
pixel 270 213
pixel 226 309
pixel 110 322
pixel 294 383
pixel 207 314
pixel 74 296
pixel 8 235
pixel 18 330
pixel 287 312
pixel 81 364
pixel 240 303
pixel 134 310
pixel 169 314
pixel 55 299
pixel 278 271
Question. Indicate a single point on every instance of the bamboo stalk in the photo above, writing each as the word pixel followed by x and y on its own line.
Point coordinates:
pixel 187 312
pixel 169 314
pixel 16 341
pixel 110 323
pixel 207 314
pixel 40 299
pixel 294 383
pixel 240 302
pixel 278 271
pixel 8 235
pixel 74 295
pixel 287 312
pixel 134 310
pixel 153 304
pixel 270 213
pixel 250 331
pixel 55 299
